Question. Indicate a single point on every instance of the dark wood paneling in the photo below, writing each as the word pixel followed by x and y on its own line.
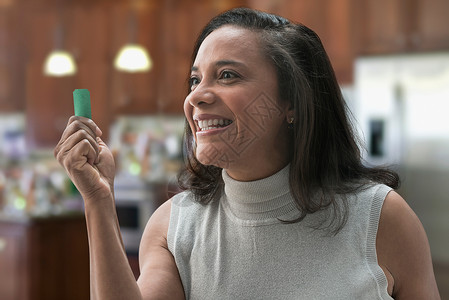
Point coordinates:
pixel 44 259
pixel 95 30
pixel 333 22
pixel 401 26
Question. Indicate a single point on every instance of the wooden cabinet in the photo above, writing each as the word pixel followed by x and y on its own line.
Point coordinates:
pixel 44 259
pixel 430 31
pixel 12 52
pixel 94 31
pixel 14 283
pixel 136 22
pixel 400 26
pixel 381 26
pixel 333 22
pixel 181 24
pixel 49 102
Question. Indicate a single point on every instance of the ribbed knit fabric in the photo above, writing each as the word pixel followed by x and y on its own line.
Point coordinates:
pixel 236 248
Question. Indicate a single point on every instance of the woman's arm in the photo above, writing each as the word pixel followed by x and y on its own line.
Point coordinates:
pixel 159 277
pixel 403 252
pixel 110 273
pixel 90 165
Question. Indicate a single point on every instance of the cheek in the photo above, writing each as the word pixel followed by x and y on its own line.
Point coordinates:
pixel 187 107
pixel 188 112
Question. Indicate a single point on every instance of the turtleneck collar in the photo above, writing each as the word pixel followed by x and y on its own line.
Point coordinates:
pixel 264 200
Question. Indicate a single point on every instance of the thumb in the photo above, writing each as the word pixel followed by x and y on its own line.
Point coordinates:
pixel 101 146
pixel 104 156
pixel 100 142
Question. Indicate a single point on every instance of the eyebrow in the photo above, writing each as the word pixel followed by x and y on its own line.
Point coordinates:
pixel 221 63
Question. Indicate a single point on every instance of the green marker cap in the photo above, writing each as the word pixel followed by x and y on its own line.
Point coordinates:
pixel 81 101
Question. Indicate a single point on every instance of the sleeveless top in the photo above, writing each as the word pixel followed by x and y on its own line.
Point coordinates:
pixel 238 247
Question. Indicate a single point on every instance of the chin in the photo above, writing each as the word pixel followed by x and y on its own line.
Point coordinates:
pixel 212 156
pixel 204 160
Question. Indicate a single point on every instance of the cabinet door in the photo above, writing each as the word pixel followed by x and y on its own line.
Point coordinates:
pixel 381 26
pixel 393 26
pixel 136 22
pixel 12 94
pixel 61 259
pixel 9 264
pixel 331 20
pixel 182 23
pixel 430 32
pixel 49 100
pixel 13 263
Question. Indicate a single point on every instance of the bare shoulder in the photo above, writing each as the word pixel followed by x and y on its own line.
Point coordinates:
pixel 159 277
pixel 403 251
pixel 159 220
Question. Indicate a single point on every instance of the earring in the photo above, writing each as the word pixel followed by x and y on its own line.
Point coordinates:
pixel 291 122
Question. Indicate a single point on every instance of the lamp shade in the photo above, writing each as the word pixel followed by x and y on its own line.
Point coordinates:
pixel 59 63
pixel 133 58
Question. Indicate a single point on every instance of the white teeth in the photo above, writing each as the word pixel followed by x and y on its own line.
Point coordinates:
pixel 212 123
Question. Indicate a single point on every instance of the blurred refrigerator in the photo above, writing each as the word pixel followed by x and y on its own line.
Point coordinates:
pixel 402 110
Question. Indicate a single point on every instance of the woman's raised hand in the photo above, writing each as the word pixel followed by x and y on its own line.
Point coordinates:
pixel 86 158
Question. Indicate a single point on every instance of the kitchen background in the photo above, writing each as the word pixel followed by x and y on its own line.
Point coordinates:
pixel 391 58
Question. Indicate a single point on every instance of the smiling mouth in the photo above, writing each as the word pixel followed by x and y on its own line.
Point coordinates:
pixel 209 124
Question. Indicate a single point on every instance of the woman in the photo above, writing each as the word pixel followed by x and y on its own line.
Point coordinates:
pixel 277 204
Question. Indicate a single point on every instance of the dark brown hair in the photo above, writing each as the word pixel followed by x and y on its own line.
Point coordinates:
pixel 325 155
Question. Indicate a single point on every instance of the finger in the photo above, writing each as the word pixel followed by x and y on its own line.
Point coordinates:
pixel 74 136
pixel 84 120
pixel 80 136
pixel 83 123
pixel 90 153
pixel 93 128
pixel 75 125
pixel 101 144
pixel 79 155
pixel 65 147
pixel 73 129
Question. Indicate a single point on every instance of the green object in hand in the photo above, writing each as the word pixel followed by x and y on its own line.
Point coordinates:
pixel 81 101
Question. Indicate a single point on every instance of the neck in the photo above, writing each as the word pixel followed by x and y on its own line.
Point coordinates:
pixel 263 200
pixel 256 171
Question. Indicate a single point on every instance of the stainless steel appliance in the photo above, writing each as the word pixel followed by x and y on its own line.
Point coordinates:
pixel 402 107
pixel 135 201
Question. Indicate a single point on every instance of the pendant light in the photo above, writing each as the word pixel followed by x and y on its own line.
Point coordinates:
pixel 133 57
pixel 59 62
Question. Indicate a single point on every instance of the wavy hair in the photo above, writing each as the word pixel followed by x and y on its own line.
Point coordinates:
pixel 325 154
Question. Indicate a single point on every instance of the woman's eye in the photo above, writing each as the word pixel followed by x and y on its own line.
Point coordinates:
pixel 194 81
pixel 228 75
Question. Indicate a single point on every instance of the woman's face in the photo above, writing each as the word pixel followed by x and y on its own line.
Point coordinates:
pixel 233 109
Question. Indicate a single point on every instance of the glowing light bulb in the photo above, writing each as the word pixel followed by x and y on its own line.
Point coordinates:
pixel 133 58
pixel 59 63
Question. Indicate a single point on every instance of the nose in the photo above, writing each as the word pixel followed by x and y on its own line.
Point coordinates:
pixel 200 96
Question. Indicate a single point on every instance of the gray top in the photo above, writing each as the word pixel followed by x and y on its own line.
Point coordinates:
pixel 237 248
